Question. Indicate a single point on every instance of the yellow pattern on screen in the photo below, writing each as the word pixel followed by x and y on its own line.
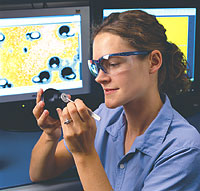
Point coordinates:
pixel 22 59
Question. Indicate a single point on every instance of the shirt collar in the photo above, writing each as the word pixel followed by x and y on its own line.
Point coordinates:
pixel 153 136
pixel 114 128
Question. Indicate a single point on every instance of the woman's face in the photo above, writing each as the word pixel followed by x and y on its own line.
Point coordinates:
pixel 128 84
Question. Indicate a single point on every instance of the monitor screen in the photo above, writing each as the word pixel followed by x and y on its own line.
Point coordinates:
pixel 43 48
pixel 180 25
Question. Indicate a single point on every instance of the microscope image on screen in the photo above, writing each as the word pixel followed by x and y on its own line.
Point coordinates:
pixel 45 52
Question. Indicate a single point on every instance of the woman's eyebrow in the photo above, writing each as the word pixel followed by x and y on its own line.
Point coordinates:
pixel 117 57
pixel 111 57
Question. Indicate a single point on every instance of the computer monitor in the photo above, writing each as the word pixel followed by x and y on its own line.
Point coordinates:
pixel 180 25
pixel 43 48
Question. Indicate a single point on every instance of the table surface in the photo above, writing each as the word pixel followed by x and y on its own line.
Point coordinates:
pixel 49 186
pixel 15 153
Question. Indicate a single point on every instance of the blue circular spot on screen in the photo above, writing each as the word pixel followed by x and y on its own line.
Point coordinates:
pixel 25 50
pixel 33 35
pixel 43 77
pixel 64 30
pixel 67 73
pixel 2 37
pixel 54 63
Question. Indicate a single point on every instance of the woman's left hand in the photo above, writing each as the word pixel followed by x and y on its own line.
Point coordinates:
pixel 80 133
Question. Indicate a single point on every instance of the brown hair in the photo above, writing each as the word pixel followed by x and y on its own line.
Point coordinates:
pixel 143 32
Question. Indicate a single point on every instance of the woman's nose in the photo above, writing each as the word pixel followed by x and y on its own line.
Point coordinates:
pixel 102 77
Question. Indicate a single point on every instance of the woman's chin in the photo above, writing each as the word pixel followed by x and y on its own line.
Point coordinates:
pixel 111 105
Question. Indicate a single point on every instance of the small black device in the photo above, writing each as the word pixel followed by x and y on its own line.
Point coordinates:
pixel 53 99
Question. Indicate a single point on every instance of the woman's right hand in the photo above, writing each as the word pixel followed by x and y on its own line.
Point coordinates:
pixel 49 125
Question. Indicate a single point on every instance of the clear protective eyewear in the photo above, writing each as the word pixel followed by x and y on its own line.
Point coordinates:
pixel 108 68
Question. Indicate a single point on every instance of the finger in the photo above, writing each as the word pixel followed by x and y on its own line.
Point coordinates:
pixel 73 112
pixel 41 120
pixel 63 114
pixel 60 115
pixel 59 111
pixel 38 109
pixel 69 96
pixel 82 110
pixel 39 95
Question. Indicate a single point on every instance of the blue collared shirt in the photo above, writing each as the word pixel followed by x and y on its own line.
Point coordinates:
pixel 165 158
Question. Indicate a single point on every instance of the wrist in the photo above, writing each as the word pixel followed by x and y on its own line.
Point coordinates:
pixel 50 137
pixel 82 158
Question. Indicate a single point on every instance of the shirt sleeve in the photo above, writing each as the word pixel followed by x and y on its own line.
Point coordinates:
pixel 67 147
pixel 176 172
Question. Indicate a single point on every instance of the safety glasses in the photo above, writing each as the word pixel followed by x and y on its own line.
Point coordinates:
pixel 107 67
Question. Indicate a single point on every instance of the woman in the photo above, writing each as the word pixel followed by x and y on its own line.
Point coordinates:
pixel 141 142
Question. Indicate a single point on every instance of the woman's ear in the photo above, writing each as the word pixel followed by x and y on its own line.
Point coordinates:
pixel 155 61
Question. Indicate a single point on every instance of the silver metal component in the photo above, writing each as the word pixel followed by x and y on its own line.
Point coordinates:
pixel 65 99
pixel 68 121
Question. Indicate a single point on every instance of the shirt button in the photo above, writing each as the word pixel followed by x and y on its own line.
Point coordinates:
pixel 121 166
